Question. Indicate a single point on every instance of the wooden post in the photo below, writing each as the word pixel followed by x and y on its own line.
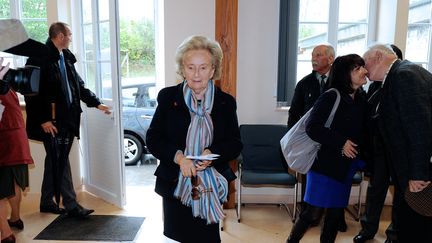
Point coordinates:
pixel 226 35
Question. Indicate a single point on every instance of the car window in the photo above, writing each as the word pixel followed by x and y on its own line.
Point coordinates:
pixel 128 96
pixel 146 97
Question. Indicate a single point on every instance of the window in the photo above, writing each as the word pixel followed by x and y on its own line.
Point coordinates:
pixel 419 33
pixel 344 24
pixel 92 25
pixel 137 45
pixel 139 95
pixel 33 15
pixel 137 41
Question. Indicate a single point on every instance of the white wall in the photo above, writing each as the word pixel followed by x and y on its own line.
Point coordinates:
pixel 182 19
pixel 257 62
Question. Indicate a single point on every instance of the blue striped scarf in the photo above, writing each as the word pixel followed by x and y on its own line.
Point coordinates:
pixel 212 186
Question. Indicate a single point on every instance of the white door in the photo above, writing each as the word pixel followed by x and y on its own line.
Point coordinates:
pixel 102 150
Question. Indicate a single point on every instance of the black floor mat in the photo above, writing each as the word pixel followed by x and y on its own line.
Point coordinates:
pixel 94 228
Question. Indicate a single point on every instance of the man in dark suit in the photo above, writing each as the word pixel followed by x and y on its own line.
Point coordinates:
pixel 405 127
pixel 379 181
pixel 309 88
pixel 53 117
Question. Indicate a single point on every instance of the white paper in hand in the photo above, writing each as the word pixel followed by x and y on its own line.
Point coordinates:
pixel 204 157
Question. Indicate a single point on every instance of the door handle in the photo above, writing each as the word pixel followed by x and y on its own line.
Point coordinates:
pixel 146 116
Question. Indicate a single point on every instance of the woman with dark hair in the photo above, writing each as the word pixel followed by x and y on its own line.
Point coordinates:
pixel 329 180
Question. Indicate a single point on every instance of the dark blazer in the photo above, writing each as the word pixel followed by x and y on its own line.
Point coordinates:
pixel 348 123
pixel 51 90
pixel 405 121
pixel 168 129
pixel 306 93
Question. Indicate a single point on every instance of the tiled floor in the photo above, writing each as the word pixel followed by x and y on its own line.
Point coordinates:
pixel 260 223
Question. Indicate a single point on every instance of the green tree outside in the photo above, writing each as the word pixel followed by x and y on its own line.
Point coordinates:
pixel 137 44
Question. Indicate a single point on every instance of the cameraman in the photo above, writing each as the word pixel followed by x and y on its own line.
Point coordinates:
pixel 14 159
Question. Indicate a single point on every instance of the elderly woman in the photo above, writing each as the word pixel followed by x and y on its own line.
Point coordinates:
pixel 14 159
pixel 329 180
pixel 194 118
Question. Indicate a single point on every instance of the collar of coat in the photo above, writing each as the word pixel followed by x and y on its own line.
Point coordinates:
pixel 54 54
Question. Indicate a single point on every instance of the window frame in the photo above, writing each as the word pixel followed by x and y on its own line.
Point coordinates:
pixel 16 12
pixel 428 63
pixel 288 42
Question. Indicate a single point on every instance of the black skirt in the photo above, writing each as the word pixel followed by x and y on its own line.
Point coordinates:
pixel 180 225
pixel 11 174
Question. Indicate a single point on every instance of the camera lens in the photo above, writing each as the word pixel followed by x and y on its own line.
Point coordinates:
pixel 24 80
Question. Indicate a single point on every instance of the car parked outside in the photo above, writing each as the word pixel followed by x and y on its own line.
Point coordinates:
pixel 139 104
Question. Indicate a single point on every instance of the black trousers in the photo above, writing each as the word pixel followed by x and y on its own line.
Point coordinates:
pixel 311 214
pixel 63 143
pixel 376 193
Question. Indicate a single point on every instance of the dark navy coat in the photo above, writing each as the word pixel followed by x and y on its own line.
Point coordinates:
pixel 168 129
pixel 348 123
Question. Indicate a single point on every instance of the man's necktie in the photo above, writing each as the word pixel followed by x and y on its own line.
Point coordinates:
pixel 65 79
pixel 322 83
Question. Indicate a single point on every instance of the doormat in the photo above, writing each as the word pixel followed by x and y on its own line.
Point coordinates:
pixel 93 228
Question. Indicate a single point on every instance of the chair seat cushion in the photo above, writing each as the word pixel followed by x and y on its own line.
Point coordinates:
pixel 269 177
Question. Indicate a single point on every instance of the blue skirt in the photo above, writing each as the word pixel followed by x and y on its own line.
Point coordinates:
pixel 325 192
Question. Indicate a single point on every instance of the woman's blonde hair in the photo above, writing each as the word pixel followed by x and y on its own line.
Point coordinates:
pixel 197 42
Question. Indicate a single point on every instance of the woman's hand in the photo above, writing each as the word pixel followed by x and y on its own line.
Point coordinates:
pixel 202 165
pixel 349 149
pixel 187 167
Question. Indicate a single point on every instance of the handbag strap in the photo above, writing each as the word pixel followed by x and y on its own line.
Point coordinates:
pixel 335 106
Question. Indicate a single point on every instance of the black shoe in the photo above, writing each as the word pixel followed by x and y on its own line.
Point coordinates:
pixel 79 212
pixel 360 238
pixel 19 224
pixel 342 227
pixel 55 209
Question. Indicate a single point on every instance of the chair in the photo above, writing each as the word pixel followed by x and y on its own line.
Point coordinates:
pixel 262 162
pixel 355 210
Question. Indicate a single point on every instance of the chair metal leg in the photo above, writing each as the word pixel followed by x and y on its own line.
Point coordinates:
pixel 356 213
pixel 294 214
pixel 359 200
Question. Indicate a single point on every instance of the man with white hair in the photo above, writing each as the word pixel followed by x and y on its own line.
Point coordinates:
pixel 404 115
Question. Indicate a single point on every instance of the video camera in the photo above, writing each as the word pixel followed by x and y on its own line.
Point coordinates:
pixel 24 80
pixel 14 40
